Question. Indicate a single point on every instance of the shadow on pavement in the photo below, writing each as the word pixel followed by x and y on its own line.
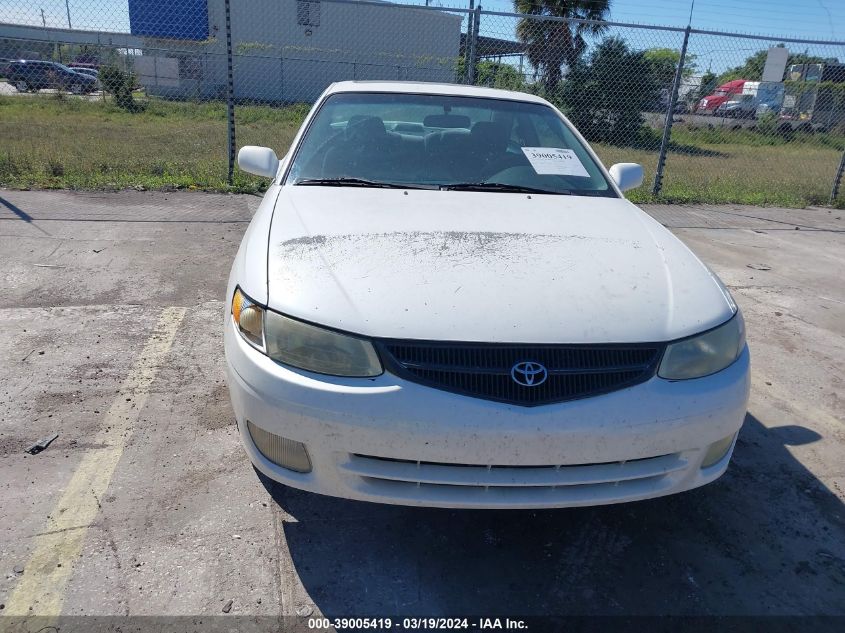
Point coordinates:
pixel 767 538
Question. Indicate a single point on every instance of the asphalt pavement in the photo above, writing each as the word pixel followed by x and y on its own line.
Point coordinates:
pixel 146 505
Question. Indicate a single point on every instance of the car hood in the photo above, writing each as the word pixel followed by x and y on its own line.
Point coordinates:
pixel 497 267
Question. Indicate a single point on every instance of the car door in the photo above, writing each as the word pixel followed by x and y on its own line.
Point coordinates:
pixel 53 76
pixel 27 73
pixel 36 75
pixel 66 78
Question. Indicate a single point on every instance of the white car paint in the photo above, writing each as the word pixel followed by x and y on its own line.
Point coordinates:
pixel 483 267
pixel 419 264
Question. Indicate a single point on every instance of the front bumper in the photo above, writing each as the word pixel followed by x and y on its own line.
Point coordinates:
pixel 392 441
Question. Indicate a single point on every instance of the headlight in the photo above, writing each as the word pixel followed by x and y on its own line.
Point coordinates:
pixel 249 317
pixel 317 349
pixel 706 353
pixel 303 345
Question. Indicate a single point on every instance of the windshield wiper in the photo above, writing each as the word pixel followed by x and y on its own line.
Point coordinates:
pixel 499 186
pixel 357 182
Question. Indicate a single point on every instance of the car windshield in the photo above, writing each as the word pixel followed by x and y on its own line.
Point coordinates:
pixel 449 142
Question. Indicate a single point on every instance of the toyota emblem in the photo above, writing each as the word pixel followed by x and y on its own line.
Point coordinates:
pixel 529 374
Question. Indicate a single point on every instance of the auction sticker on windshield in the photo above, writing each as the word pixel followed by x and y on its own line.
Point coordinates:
pixel 555 161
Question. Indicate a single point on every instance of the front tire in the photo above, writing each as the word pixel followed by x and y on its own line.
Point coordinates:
pixel 21 86
pixel 76 88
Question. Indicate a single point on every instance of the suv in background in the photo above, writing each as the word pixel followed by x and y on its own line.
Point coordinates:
pixel 33 75
pixel 91 72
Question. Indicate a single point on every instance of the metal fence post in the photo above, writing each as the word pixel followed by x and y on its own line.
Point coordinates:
pixel 468 41
pixel 834 191
pixel 667 126
pixel 230 97
pixel 473 44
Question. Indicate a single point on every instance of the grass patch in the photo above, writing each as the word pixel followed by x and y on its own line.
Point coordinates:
pixel 784 175
pixel 80 144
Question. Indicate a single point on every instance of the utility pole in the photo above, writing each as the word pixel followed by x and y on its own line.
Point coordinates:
pixel 43 19
pixel 67 6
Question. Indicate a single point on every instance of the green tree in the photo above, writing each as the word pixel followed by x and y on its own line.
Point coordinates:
pixel 605 95
pixel 709 81
pixel 551 44
pixel 498 75
pixel 664 63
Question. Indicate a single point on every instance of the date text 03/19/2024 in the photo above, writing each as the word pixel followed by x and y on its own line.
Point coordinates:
pixel 417 624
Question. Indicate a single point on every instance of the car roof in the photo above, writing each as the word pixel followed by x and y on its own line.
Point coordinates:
pixel 423 87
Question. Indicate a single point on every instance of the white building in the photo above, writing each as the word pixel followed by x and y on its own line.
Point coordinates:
pixel 290 50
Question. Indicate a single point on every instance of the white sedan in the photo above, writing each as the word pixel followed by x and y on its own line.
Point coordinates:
pixel 444 299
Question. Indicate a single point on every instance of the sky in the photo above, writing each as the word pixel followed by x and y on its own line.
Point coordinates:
pixel 813 19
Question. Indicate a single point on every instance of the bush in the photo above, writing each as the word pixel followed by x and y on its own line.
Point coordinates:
pixel 119 84
pixel 492 74
pixel 786 131
pixel 767 123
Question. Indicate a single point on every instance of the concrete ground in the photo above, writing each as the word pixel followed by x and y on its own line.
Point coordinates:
pixel 146 504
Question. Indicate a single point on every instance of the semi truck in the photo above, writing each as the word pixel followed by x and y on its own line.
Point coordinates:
pixel 722 94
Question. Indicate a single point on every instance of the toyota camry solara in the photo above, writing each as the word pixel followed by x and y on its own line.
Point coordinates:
pixel 444 299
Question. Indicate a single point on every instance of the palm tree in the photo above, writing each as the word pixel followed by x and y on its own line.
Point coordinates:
pixel 553 43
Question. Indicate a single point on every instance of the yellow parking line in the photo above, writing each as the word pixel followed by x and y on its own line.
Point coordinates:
pixel 41 589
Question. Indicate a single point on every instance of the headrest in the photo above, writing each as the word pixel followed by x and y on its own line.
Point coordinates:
pixel 364 127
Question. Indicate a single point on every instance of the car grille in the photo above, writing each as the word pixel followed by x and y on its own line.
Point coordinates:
pixel 491 484
pixel 484 370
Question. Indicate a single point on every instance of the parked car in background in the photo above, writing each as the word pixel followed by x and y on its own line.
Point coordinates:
pixel 444 299
pixel 722 94
pixel 91 72
pixel 34 75
pixel 738 107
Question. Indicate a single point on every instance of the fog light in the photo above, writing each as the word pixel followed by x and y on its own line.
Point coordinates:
pixel 280 450
pixel 717 451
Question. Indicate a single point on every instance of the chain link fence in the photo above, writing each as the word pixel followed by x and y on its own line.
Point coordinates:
pixel 155 93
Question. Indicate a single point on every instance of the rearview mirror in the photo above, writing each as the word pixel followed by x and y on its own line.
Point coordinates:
pixel 627 175
pixel 260 161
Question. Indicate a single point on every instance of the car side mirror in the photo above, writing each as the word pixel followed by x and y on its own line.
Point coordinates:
pixel 261 161
pixel 627 175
